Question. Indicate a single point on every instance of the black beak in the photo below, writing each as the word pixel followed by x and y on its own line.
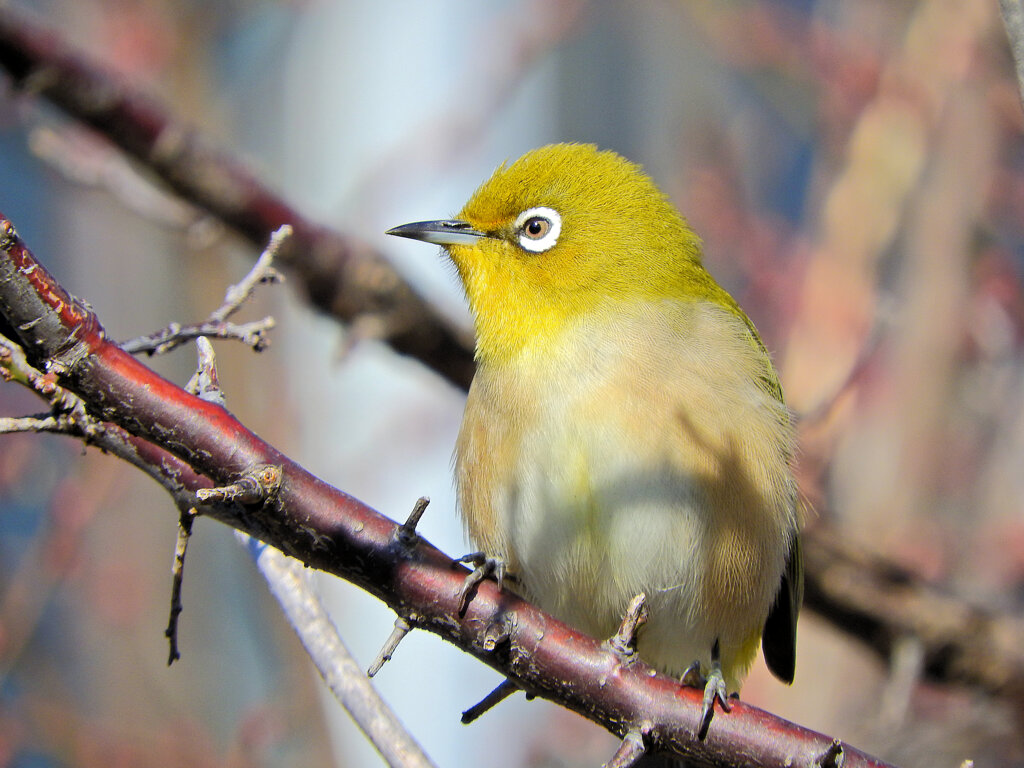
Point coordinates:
pixel 445 232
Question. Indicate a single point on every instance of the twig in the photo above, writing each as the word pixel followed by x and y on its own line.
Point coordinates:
pixel 11 424
pixel 68 411
pixel 630 750
pixel 254 486
pixel 262 272
pixel 402 628
pixel 407 533
pixel 185 520
pixel 290 584
pixel 253 334
pixel 833 757
pixel 505 689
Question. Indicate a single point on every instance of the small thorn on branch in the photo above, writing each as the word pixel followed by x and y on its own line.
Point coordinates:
pixel 834 756
pixel 256 486
pixel 630 750
pixel 407 531
pixel 623 642
pixel 505 689
pixel 185 521
pixel 402 628
pixel 205 384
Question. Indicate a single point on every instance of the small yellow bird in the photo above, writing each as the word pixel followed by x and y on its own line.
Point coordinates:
pixel 625 431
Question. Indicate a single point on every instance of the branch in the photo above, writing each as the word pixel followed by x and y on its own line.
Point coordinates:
pixel 291 585
pixel 342 277
pixel 327 529
pixel 1013 21
pixel 882 604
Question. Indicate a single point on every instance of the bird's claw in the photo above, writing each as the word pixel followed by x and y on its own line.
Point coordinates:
pixel 484 566
pixel 715 689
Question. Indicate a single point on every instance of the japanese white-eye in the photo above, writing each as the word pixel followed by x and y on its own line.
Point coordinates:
pixel 625 431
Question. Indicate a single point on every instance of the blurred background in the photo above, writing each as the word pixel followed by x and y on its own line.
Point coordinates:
pixel 856 171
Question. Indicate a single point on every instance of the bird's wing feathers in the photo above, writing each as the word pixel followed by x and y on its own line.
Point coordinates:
pixel 779 639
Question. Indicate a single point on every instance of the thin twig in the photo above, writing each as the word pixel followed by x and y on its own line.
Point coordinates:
pixel 290 583
pixel 13 424
pixel 68 416
pixel 185 520
pixel 407 533
pixel 253 334
pixel 262 272
pixel 254 486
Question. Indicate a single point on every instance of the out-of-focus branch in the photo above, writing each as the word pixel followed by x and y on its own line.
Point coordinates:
pixel 341 276
pixel 882 604
pixel 291 585
pixel 1013 21
pixel 329 530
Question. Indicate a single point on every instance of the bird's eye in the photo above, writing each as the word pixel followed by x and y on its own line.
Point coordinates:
pixel 538 229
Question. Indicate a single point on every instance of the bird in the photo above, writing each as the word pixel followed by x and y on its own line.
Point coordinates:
pixel 625 431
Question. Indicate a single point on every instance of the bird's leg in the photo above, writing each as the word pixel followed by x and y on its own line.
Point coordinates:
pixel 485 566
pixel 714 688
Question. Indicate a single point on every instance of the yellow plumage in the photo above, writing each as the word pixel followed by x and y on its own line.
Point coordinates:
pixel 625 430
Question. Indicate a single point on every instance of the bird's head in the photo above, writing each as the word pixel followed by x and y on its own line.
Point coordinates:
pixel 564 230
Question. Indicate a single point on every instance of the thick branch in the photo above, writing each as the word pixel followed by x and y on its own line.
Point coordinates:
pixel 341 276
pixel 330 530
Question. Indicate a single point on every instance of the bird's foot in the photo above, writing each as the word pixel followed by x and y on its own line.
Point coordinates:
pixel 484 566
pixel 714 686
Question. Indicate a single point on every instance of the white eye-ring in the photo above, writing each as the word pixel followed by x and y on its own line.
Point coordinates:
pixel 538 229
